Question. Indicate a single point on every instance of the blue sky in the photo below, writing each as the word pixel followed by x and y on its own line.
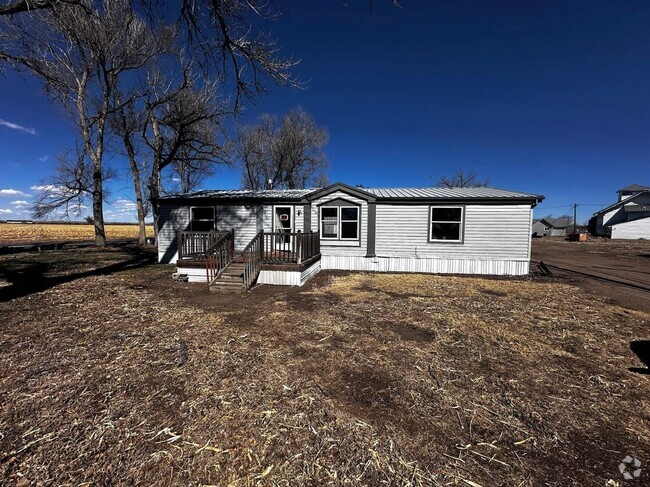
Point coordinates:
pixel 550 97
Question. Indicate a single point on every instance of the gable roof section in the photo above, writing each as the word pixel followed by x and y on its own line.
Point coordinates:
pixel 557 222
pixel 626 201
pixel 633 187
pixel 361 193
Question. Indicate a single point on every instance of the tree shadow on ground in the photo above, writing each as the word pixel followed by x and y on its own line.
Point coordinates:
pixel 30 276
pixel 641 349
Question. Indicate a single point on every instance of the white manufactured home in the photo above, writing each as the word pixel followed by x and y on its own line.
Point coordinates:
pixel 233 238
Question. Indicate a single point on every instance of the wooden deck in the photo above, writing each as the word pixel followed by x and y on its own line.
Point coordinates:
pixel 271 261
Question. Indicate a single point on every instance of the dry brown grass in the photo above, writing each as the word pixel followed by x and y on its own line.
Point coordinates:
pixel 47 232
pixel 360 379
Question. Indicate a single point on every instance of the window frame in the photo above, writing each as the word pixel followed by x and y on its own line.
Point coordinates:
pixel 339 236
pixel 320 223
pixel 358 220
pixel 214 218
pixel 461 223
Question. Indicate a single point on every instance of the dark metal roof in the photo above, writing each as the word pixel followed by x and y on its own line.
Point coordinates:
pixel 448 193
pixel 626 201
pixel 633 187
pixel 245 194
pixel 636 208
pixel 561 222
pixel 368 193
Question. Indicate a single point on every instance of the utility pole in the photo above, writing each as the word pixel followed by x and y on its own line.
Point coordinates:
pixel 575 213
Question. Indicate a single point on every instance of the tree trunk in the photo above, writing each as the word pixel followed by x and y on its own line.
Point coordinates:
pixel 96 158
pixel 98 210
pixel 137 188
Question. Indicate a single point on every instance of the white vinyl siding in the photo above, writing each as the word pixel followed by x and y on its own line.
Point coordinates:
pixel 497 267
pixel 171 220
pixel 342 247
pixel 242 218
pixel 632 230
pixel 491 232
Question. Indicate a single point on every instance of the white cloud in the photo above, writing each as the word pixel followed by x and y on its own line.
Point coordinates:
pixel 20 203
pixel 44 158
pixel 15 126
pixel 12 192
pixel 50 188
pixel 5 212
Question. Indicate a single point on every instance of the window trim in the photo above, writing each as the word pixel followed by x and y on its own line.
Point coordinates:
pixel 339 221
pixel 461 223
pixel 214 218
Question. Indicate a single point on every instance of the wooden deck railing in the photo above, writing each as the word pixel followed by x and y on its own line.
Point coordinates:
pixel 253 255
pixel 290 247
pixel 219 255
pixel 195 244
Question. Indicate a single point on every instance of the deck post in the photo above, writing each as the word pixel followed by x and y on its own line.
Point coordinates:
pixel 299 247
pixel 179 244
pixel 262 246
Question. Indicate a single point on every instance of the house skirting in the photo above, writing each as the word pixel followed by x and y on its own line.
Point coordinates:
pixel 426 265
pixel 289 278
pixel 194 273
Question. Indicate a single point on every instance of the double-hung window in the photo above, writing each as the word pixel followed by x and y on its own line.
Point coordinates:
pixel 202 218
pixel 339 222
pixel 446 223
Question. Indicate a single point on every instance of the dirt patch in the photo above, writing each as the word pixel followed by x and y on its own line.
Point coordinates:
pixel 619 271
pixel 111 373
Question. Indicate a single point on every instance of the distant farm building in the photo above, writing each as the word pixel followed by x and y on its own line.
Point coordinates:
pixel 629 217
pixel 551 227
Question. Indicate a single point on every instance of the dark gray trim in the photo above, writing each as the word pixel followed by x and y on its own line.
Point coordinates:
pixel 306 209
pixel 335 242
pixel 333 188
pixel 372 230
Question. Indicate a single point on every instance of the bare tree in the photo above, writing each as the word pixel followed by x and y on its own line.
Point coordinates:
pixel 69 188
pixel 23 6
pixel 285 153
pixel 126 123
pixel 183 126
pixel 462 180
pixel 80 55
pixel 189 173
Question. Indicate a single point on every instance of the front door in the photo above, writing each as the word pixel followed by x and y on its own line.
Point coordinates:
pixel 282 227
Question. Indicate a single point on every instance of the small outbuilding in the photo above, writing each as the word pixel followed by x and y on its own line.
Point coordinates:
pixel 551 227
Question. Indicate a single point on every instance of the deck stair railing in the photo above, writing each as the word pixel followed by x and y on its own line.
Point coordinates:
pixel 219 255
pixel 195 244
pixel 253 254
